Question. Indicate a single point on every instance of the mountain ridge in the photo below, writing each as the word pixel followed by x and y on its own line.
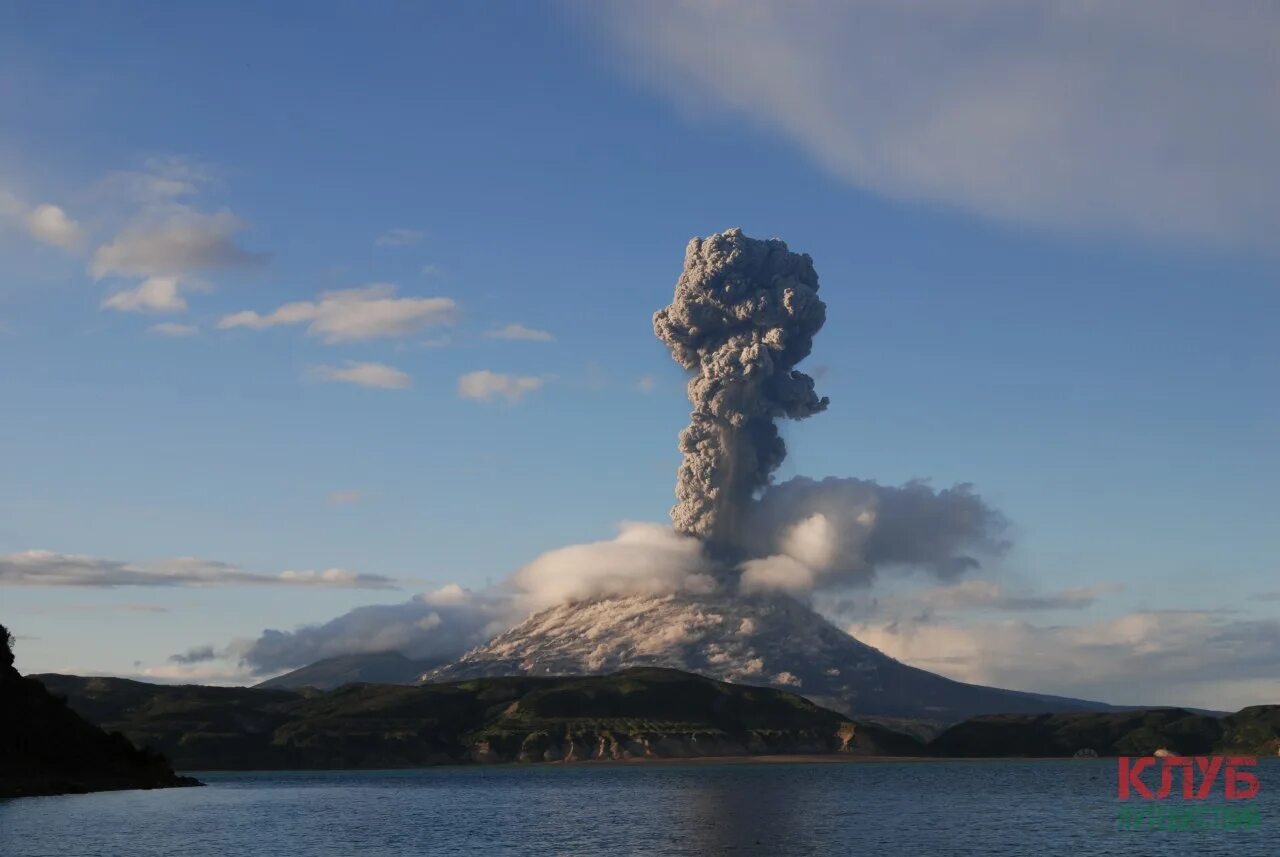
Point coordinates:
pixel 772 641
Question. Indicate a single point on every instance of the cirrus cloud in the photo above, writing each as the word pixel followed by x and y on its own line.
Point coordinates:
pixel 46 568
pixel 376 375
pixel 353 315
pixel 1158 120
pixel 487 386
pixel 517 331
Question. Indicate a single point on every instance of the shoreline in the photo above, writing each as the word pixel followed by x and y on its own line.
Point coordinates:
pixel 780 759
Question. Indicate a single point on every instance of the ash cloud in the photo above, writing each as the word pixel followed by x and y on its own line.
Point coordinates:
pixel 744 314
pixel 196 655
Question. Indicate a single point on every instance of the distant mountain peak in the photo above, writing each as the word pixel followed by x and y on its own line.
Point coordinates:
pixel 369 668
pixel 764 640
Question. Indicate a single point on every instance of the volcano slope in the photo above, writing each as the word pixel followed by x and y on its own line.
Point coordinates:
pixel 774 641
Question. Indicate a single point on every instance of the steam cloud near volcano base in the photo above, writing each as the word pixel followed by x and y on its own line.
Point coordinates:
pixel 812 537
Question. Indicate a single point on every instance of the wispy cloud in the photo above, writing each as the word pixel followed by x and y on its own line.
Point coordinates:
pixel 377 375
pixel 173 329
pixel 517 331
pixel 178 240
pixel 169 245
pixel 646 384
pixel 1192 657
pixel 46 568
pixel 487 386
pixel 399 237
pixel 152 295
pixel 344 497
pixel 351 315
pixel 1158 121
pixel 196 655
pixel 989 595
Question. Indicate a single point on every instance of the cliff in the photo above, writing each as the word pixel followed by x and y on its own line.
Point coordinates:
pixel 46 748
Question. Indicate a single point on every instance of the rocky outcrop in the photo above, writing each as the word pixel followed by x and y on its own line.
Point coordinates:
pixel 46 748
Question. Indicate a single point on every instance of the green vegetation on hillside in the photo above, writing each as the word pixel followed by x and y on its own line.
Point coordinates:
pixel 1251 731
pixel 635 713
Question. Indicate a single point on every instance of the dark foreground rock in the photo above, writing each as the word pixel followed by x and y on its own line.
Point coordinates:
pixel 633 714
pixel 46 748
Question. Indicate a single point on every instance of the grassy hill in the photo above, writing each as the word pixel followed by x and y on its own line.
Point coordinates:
pixel 632 714
pixel 636 713
pixel 1250 731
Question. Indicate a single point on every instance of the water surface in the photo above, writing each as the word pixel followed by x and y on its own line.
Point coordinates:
pixel 889 808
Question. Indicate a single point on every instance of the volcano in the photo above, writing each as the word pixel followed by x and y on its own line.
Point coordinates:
pixel 769 640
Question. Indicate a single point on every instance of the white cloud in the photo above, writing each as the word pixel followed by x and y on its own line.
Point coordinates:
pixel 377 375
pixel 486 386
pixel 776 574
pixel 213 673
pixel 50 224
pixel 344 497
pixel 1156 119
pixel 517 331
pixel 45 568
pixel 1204 658
pixel 173 241
pixel 399 238
pixel 154 294
pixel 351 315
pixel 173 329
pixel 436 625
pixel 47 223
pixel 162 180
pixel 648 559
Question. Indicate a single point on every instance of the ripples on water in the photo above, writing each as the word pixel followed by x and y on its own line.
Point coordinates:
pixel 942 808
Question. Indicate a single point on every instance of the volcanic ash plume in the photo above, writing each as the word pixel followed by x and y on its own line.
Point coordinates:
pixel 744 314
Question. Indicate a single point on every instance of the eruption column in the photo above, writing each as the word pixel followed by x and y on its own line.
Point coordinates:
pixel 744 314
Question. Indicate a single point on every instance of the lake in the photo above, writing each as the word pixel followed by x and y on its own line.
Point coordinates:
pixel 890 808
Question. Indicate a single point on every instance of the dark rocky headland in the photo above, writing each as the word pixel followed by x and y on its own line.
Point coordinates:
pixel 46 748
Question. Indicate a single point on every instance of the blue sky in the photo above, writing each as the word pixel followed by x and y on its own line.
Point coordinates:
pixel 1095 354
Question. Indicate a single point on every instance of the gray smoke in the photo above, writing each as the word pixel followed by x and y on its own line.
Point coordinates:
pixel 744 314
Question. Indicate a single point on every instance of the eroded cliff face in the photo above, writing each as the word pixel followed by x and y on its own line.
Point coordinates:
pixel 46 748
pixel 592 745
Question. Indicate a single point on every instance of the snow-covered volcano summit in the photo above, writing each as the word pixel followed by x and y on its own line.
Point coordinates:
pixel 765 640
